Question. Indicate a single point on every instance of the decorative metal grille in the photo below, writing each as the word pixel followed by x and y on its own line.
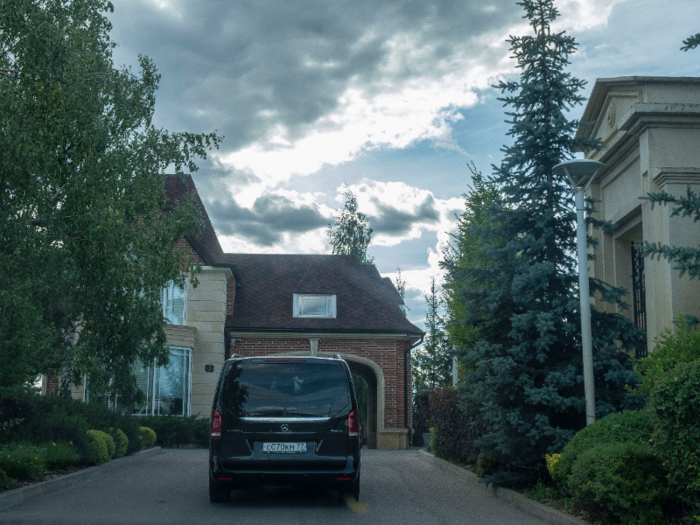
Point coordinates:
pixel 639 296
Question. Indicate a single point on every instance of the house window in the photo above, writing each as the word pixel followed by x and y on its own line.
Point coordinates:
pixel 314 305
pixel 167 389
pixel 174 300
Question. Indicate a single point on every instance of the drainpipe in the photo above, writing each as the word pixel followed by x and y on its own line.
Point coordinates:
pixel 406 358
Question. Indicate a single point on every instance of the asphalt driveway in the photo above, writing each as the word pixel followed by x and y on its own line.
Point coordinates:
pixel 398 487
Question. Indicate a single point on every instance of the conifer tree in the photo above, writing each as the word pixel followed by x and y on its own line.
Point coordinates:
pixel 523 372
pixel 401 288
pixel 351 234
pixel 432 362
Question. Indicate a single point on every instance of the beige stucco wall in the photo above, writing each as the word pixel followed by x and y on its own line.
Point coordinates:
pixel 650 132
pixel 204 334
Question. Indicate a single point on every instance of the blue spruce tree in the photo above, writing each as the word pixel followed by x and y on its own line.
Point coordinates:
pixel 523 367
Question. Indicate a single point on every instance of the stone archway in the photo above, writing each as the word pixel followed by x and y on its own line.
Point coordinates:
pixel 372 374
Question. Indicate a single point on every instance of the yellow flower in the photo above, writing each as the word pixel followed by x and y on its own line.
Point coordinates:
pixel 54 444
pixel 71 442
pixel 36 458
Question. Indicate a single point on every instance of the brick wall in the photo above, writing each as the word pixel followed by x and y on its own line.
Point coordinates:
pixel 185 245
pixel 387 353
pixel 230 295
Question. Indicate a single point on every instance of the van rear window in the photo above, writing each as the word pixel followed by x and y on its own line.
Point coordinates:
pixel 286 389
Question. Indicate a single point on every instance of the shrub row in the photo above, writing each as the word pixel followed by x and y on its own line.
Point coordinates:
pixel 630 466
pixel 453 433
pixel 49 433
pixel 172 431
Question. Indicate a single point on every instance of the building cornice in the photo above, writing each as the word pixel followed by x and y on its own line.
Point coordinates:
pixel 322 335
pixel 684 176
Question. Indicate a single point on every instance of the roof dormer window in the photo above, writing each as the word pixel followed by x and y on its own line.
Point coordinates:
pixel 314 305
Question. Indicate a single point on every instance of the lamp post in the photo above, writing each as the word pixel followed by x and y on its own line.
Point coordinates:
pixel 581 173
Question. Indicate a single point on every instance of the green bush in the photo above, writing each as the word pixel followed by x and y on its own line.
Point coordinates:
pixel 676 402
pixel 5 480
pixel 623 482
pixel 148 436
pixel 121 442
pixel 60 454
pixel 52 419
pixel 22 461
pixel 488 463
pixel 456 431
pixel 670 349
pixel 172 431
pixel 634 426
pixel 98 448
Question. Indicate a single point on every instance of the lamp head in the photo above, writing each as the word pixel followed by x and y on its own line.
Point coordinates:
pixel 580 172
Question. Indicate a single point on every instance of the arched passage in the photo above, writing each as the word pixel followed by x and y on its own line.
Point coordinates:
pixel 375 396
pixel 372 374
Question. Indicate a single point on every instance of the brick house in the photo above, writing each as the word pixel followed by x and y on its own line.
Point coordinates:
pixel 281 304
pixel 326 305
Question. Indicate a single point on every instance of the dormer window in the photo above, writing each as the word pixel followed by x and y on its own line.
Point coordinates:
pixel 314 305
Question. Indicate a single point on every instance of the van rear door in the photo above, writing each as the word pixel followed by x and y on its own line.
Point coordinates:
pixel 285 413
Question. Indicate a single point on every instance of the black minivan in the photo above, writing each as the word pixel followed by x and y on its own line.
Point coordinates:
pixel 284 421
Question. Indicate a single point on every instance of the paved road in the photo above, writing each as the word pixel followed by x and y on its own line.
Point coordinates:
pixel 398 487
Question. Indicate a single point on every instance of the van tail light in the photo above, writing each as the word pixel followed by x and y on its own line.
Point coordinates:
pixel 215 424
pixel 353 424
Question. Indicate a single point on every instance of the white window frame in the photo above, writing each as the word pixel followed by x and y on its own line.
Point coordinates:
pixel 152 382
pixel 152 407
pixel 299 297
pixel 166 293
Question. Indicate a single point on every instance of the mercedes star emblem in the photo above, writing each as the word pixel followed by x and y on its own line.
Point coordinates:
pixel 285 428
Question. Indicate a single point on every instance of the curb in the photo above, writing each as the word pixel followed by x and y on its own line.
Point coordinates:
pixel 519 501
pixel 12 498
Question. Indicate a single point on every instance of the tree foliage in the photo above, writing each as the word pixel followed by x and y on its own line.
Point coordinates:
pixel 691 42
pixel 687 258
pixel 431 363
pixel 86 238
pixel 401 288
pixel 351 233
pixel 523 365
pixel 465 252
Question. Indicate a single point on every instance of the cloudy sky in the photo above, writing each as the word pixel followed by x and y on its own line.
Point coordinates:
pixel 391 97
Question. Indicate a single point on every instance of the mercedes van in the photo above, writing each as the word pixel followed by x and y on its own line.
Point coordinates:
pixel 284 421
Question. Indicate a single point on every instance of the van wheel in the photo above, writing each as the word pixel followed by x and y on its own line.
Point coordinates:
pixel 353 489
pixel 218 493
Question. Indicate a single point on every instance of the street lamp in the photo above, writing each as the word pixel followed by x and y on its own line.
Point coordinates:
pixel 581 173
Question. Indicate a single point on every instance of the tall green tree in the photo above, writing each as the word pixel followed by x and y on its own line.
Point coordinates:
pixel 351 233
pixel 86 236
pixel 523 372
pixel 465 252
pixel 431 363
pixel 401 288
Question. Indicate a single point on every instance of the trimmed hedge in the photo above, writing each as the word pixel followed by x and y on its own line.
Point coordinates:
pixel 148 437
pixel 121 442
pixel 421 416
pixel 623 482
pixel 100 447
pixel 456 431
pixel 628 426
pixel 172 431
pixel 49 419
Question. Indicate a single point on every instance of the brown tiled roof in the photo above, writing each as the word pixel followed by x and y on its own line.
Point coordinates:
pixel 205 243
pixel 366 302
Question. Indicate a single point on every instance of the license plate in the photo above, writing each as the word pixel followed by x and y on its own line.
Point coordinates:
pixel 284 448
